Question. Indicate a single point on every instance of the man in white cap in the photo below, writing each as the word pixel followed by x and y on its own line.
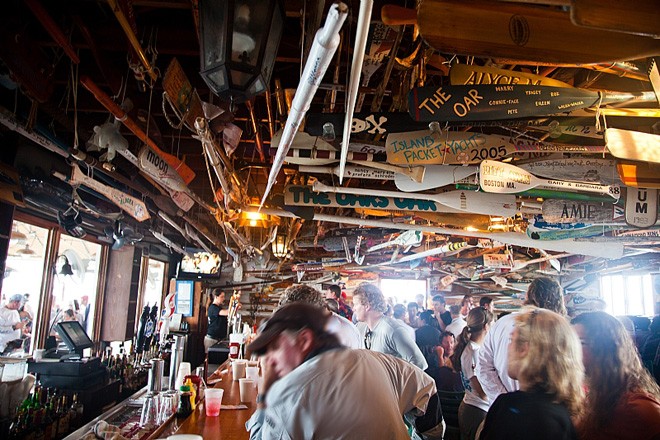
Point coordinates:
pixel 10 321
pixel 313 387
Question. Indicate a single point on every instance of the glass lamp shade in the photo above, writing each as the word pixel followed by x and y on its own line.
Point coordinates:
pixel 279 247
pixel 239 41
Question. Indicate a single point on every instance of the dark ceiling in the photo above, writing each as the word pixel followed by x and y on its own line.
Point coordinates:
pixel 41 87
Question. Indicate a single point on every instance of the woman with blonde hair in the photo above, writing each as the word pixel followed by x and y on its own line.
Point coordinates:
pixel 474 406
pixel 623 400
pixel 545 357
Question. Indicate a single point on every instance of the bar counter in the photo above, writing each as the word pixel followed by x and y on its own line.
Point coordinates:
pixel 230 424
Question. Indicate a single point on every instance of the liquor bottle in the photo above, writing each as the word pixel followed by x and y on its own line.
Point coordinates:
pixel 47 422
pixel 64 417
pixel 16 426
pixel 76 413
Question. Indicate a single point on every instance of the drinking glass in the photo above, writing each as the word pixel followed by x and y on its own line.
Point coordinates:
pixel 149 414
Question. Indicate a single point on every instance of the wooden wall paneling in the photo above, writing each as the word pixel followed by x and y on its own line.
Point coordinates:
pixel 121 292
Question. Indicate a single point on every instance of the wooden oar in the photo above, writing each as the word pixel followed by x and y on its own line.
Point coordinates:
pixel 495 29
pixel 466 74
pixel 570 211
pixel 539 192
pixel 435 176
pixel 473 202
pixel 296 195
pixel 633 145
pixel 186 173
pixel 641 17
pixel 639 174
pixel 351 171
pixel 459 147
pixel 129 204
pixel 490 102
pixel 641 207
pixel 504 178
pixel 578 169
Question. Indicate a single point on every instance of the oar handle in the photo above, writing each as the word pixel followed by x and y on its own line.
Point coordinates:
pixel 393 15
pixel 613 191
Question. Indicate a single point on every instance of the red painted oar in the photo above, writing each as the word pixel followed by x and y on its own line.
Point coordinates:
pixel 186 173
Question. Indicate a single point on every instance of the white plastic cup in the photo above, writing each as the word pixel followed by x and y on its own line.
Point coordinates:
pixel 238 368
pixel 247 389
pixel 184 370
pixel 213 401
pixel 252 373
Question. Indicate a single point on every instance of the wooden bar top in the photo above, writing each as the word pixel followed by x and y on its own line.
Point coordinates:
pixel 230 424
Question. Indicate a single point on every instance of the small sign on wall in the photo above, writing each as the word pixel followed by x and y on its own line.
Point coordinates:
pixel 184 297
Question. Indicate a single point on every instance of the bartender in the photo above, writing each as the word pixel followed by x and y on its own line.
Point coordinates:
pixel 217 329
pixel 10 321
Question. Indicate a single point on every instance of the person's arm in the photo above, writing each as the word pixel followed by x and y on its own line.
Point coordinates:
pixel 486 371
pixel 407 349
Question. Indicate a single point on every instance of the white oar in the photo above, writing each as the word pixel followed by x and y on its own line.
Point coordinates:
pixel 362 32
pixel 325 44
pixel 633 145
pixel 504 178
pixel 351 171
pixel 468 201
pixel 436 176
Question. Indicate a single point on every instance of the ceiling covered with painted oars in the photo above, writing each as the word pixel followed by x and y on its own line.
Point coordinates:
pixel 490 141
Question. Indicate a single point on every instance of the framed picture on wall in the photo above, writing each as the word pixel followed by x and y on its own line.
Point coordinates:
pixel 184 297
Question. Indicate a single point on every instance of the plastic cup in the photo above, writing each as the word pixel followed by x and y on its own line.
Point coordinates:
pixel 213 401
pixel 247 390
pixel 238 368
pixel 184 370
pixel 252 373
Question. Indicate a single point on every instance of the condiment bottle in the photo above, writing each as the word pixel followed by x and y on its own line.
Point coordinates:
pixel 184 409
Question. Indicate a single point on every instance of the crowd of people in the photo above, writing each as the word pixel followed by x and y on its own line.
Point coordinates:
pixel 376 373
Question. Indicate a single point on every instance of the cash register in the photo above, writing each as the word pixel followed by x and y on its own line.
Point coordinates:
pixel 68 369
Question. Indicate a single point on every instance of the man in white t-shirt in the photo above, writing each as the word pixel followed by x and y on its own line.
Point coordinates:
pixel 344 329
pixel 492 369
pixel 10 321
pixel 457 322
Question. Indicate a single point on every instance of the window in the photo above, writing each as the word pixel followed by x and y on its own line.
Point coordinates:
pixel 627 294
pixel 25 264
pixel 403 291
pixel 153 287
pixel 75 283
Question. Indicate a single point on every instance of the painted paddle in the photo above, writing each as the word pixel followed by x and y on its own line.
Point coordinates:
pixel 504 178
pixel 641 207
pixel 570 211
pixel 435 176
pixel 491 102
pixel 473 202
pixel 613 15
pixel 639 174
pixel 467 74
pixel 578 169
pixel 590 231
pixel 486 29
pixel 548 194
pixel 295 195
pixel 460 147
pixel 352 171
pixel 186 173
pixel 398 122
pixel 129 204
pixel 633 145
